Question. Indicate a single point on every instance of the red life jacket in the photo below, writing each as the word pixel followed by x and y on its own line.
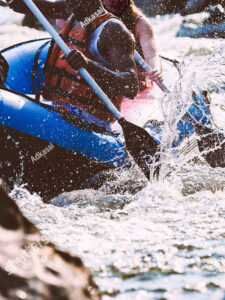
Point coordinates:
pixel 65 85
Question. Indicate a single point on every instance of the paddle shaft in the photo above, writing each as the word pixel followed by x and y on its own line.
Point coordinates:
pixel 91 82
pixel 148 69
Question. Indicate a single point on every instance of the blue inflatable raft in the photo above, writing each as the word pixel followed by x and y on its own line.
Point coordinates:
pixel 51 152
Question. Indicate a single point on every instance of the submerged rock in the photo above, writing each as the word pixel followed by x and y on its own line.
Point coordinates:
pixel 33 268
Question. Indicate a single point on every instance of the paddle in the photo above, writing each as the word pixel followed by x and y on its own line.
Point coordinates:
pixel 139 143
pixel 148 69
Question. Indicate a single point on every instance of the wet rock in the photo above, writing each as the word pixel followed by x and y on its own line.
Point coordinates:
pixel 185 7
pixel 204 30
pixel 33 268
pixel 195 6
pixel 209 24
pixel 159 7
pixel 217 14
pixel 2 3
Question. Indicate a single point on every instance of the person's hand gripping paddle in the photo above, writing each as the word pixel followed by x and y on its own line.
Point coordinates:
pixel 139 143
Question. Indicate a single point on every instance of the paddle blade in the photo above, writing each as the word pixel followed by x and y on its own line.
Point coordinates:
pixel 141 146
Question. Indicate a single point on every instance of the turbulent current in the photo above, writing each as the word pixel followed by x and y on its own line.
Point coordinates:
pixel 167 240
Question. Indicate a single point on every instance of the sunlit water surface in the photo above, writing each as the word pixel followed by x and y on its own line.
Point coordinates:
pixel 168 240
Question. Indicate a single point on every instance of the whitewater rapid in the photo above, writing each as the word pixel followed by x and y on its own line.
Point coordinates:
pixel 167 241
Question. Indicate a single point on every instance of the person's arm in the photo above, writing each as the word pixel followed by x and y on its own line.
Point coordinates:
pixel 115 45
pixel 51 9
pixel 145 34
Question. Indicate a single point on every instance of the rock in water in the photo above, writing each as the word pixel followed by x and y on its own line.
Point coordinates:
pixel 33 268
pixel 160 7
pixel 209 24
pixel 195 6
pixel 203 30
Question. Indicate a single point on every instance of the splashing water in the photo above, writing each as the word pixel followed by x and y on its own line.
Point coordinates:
pixel 166 239
pixel 194 73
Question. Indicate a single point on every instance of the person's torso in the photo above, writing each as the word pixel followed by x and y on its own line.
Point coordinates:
pixel 65 85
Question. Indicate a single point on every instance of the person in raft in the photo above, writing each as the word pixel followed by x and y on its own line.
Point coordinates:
pixel 143 32
pixel 131 16
pixel 105 48
pixel 139 25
